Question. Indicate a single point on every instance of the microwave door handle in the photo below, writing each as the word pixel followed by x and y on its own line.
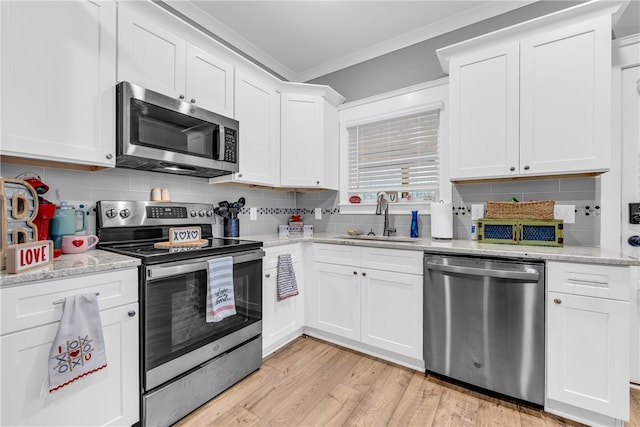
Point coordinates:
pixel 159 272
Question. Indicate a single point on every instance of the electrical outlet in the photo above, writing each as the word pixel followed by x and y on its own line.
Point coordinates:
pixel 566 213
pixel 318 213
pixel 253 214
pixel 477 211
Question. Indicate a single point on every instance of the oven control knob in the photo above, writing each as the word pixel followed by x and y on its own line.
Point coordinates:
pixel 125 213
pixel 201 213
pixel 194 213
pixel 111 213
pixel 209 212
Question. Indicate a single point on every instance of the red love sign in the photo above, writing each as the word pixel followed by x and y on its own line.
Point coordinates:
pixel 77 243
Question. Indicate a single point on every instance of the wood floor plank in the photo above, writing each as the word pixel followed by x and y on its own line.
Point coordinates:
pixel 335 408
pixel 305 397
pixel 237 416
pixel 530 417
pixel 419 404
pixel 497 415
pixel 634 408
pixel 380 402
pixel 261 402
pixel 365 374
pixel 456 409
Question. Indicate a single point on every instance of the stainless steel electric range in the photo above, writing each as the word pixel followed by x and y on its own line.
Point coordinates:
pixel 185 360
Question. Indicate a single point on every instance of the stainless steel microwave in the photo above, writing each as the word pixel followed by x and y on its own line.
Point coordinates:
pixel 162 134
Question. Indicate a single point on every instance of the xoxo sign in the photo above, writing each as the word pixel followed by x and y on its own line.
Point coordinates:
pixel 184 234
pixel 26 256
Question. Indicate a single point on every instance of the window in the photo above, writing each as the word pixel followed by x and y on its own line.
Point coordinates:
pixel 398 155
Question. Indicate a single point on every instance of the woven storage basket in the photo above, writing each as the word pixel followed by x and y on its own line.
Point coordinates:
pixel 540 209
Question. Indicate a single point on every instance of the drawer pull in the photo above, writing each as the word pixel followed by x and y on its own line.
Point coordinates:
pixel 557 300
pixel 131 313
pixel 587 282
pixel 267 275
pixel 60 301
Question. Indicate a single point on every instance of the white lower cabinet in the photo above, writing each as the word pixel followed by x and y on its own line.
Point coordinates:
pixel 588 342
pixel 30 320
pixel 371 297
pixel 282 320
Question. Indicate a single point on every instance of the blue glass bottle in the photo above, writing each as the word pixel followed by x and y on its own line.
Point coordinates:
pixel 414 223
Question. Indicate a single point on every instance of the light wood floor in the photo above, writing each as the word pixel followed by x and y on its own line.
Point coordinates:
pixel 311 383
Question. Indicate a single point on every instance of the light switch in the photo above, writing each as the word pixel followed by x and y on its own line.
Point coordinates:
pixel 253 214
pixel 318 213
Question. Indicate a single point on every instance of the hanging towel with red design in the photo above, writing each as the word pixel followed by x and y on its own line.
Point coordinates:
pixel 78 349
pixel 221 301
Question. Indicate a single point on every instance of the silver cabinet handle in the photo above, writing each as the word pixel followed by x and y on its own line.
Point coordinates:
pixel 131 313
pixel 364 274
pixel 193 100
pixel 181 96
pixel 109 156
pixel 526 167
pixel 512 168
pixel 355 273
pixel 557 300
pixel 239 175
pixel 267 275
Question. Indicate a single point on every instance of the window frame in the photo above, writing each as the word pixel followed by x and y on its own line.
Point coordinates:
pixel 423 97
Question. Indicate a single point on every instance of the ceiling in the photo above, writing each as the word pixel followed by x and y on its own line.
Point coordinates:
pixel 304 39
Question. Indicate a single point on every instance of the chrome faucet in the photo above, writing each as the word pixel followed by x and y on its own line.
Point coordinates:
pixel 383 205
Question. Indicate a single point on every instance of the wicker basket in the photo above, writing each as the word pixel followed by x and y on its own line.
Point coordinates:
pixel 540 209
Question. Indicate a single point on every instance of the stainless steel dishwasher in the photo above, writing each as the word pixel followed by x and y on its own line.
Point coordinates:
pixel 484 323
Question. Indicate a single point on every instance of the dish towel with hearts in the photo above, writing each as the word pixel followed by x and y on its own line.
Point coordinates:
pixel 286 284
pixel 78 348
pixel 221 302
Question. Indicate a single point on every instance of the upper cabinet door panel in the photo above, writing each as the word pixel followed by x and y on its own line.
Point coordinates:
pixel 149 55
pixel 565 99
pixel 484 113
pixel 209 81
pixel 58 79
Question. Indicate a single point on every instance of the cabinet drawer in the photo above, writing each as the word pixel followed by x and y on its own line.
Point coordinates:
pixel 32 304
pixel 396 260
pixel 271 257
pixel 603 281
pixel 337 254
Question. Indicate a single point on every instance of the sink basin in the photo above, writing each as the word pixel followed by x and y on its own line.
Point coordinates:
pixel 380 238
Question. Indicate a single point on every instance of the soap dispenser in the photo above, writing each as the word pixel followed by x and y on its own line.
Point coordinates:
pixel 414 223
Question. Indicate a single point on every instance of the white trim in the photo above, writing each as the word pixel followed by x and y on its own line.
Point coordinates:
pixel 431 106
pixel 394 93
pixel 626 51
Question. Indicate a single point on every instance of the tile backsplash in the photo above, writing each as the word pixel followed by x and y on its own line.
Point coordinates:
pixel 83 189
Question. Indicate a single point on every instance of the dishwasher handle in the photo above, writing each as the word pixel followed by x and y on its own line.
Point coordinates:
pixel 503 274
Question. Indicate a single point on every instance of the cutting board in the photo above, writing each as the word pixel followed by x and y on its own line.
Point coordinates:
pixel 194 244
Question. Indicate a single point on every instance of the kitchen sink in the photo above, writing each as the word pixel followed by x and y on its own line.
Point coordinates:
pixel 380 238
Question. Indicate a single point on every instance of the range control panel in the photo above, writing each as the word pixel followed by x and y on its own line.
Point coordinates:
pixel 144 213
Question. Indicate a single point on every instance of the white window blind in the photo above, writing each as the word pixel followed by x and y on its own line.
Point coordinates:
pixel 398 154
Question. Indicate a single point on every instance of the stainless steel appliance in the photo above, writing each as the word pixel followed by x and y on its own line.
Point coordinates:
pixel 484 323
pixel 185 361
pixel 155 132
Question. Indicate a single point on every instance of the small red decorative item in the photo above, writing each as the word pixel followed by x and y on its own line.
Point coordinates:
pixel 296 218
pixel 355 199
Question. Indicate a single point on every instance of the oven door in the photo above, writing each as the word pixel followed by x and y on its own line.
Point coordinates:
pixel 177 337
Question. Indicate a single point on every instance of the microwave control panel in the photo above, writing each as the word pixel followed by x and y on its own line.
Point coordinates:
pixel 229 152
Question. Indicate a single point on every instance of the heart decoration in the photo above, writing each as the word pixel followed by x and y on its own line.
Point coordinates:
pixel 77 243
pixel 74 353
pixel 182 235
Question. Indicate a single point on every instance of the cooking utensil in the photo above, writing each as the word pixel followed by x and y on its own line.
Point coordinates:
pixel 241 202
pixel 223 204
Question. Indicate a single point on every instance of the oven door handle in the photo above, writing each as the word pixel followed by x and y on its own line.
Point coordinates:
pixel 155 272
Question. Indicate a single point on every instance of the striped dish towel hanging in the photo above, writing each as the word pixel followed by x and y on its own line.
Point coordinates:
pixel 286 283
pixel 221 302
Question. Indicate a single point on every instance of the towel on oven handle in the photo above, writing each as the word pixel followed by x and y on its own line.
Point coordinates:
pixel 220 297
pixel 78 348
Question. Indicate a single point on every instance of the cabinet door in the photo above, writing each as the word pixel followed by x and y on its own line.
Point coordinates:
pixel 209 81
pixel 58 81
pixel 301 161
pixel 587 354
pixel 566 99
pixel 484 113
pixel 258 110
pixel 149 55
pixel 335 303
pixel 281 318
pixel 392 311
pixel 107 397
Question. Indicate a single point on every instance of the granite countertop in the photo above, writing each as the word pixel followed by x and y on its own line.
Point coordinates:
pixel 92 261
pixel 584 254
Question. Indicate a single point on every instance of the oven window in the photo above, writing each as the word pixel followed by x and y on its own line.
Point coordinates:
pixel 175 317
pixel 157 127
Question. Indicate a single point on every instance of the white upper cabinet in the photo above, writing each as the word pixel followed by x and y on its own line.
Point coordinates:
pixel 58 82
pixel 533 99
pixel 257 108
pixel 156 58
pixel 309 142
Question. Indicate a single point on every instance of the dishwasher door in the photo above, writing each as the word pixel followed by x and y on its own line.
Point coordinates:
pixel 484 323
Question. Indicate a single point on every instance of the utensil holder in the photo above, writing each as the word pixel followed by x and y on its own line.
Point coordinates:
pixel 231 227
